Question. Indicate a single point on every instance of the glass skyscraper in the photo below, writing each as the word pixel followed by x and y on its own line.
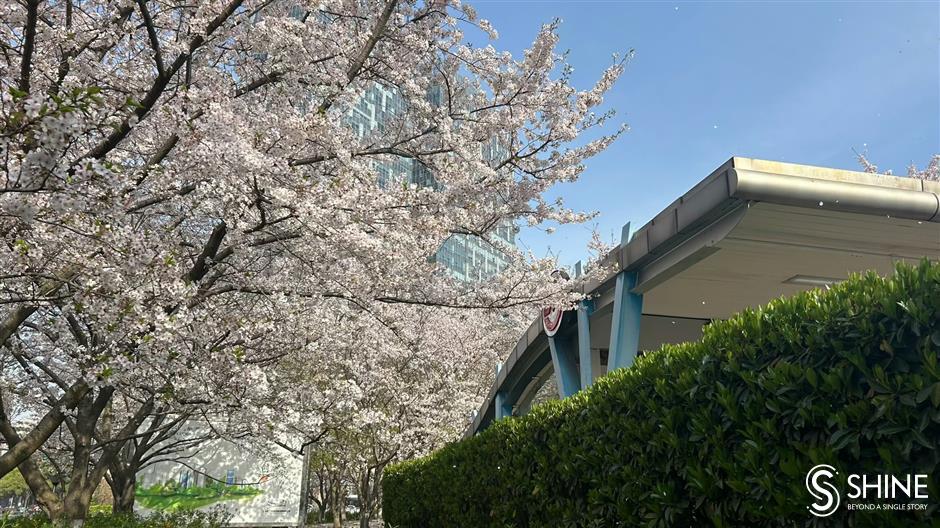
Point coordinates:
pixel 466 257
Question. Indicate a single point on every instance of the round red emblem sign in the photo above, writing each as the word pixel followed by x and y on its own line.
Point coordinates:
pixel 551 316
pixel 551 319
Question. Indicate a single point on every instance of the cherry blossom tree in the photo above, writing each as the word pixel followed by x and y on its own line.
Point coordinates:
pixel 185 208
pixel 401 397
pixel 121 424
pixel 929 173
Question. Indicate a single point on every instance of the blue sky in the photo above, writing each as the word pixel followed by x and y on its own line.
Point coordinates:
pixel 803 82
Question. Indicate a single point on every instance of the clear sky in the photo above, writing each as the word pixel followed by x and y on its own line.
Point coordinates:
pixel 803 82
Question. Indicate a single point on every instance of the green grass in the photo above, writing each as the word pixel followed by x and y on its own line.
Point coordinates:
pixel 168 497
pixel 99 509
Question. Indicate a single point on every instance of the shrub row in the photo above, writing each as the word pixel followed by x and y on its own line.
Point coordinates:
pixel 179 519
pixel 719 432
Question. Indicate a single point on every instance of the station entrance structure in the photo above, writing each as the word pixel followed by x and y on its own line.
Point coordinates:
pixel 753 230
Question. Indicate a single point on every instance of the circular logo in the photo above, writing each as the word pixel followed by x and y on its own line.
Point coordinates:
pixel 552 315
pixel 825 493
pixel 551 319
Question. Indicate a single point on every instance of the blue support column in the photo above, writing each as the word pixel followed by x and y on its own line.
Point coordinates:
pixel 566 370
pixel 584 343
pixel 503 407
pixel 585 309
pixel 625 322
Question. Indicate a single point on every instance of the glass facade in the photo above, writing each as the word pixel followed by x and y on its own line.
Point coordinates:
pixel 466 257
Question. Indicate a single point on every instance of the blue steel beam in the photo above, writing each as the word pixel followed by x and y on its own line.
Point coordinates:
pixel 503 406
pixel 584 342
pixel 566 370
pixel 625 321
pixel 585 309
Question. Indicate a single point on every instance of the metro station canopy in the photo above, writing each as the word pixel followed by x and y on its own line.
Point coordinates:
pixel 751 231
pixel 754 230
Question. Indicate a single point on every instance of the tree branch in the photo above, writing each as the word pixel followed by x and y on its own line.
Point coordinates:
pixel 377 31
pixel 152 34
pixel 160 84
pixel 22 448
pixel 29 43
pixel 200 268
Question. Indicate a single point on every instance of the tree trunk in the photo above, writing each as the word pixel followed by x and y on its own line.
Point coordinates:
pixel 338 503
pixel 337 513
pixel 324 503
pixel 370 492
pixel 123 488
pixel 86 473
pixel 365 497
pixel 50 503
pixel 76 508
pixel 50 422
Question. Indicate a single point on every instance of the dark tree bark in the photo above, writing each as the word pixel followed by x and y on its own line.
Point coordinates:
pixel 365 497
pixel 87 471
pixel 48 424
pixel 337 497
pixel 123 489
pixel 370 480
pixel 159 442
pixel 316 493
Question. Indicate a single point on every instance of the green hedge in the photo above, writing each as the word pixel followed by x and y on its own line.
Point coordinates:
pixel 179 519
pixel 719 432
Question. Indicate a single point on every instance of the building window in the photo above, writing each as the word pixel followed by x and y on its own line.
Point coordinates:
pixel 230 477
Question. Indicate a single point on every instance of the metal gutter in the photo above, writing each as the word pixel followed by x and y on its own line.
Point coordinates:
pixel 854 197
